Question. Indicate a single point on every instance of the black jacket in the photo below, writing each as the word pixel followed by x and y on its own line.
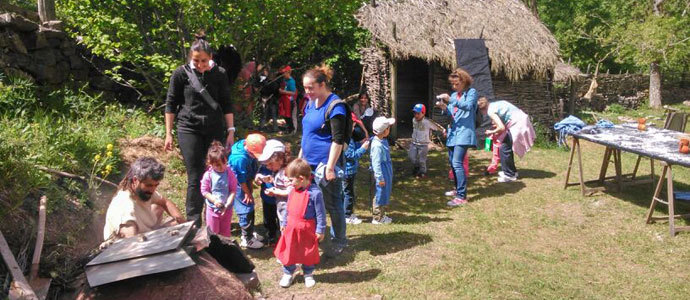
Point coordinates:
pixel 193 113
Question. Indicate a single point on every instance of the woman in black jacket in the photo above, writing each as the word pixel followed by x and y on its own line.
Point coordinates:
pixel 200 119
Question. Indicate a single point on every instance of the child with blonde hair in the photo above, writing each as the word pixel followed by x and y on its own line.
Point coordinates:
pixel 304 226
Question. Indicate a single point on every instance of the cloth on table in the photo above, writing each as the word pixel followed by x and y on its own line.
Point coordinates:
pixel 569 125
pixel 604 124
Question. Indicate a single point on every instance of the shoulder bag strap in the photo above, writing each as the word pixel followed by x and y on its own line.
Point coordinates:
pixel 194 81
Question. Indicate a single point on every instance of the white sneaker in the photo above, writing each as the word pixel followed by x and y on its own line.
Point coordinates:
pixel 384 220
pixel 353 219
pixel 251 244
pixel 501 174
pixel 451 193
pixel 506 179
pixel 258 237
pixel 286 280
pixel 309 280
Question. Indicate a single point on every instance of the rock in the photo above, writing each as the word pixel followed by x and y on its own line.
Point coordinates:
pixel 76 62
pixel 52 33
pixel 17 22
pixel 686 102
pixel 50 74
pixel 12 72
pixel 35 40
pixel 17 45
pixel 56 25
pixel 80 74
pixel 45 56
pixel 68 51
pixel 54 43
pixel 103 83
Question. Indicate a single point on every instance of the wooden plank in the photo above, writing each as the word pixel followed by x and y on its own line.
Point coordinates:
pixel 157 241
pixel 22 289
pixel 670 200
pixel 570 166
pixel 125 269
pixel 579 161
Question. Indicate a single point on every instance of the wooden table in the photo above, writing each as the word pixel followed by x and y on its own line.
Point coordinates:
pixel 657 144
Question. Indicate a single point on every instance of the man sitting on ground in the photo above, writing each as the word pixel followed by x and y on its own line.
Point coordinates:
pixel 137 207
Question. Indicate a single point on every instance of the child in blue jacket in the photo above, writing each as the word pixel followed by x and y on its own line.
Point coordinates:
pixel 382 165
pixel 243 161
pixel 354 151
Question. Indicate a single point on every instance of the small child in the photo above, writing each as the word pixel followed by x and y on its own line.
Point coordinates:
pixel 382 165
pixel 419 149
pixel 353 152
pixel 218 186
pixel 243 162
pixel 304 227
pixel 495 155
pixel 272 177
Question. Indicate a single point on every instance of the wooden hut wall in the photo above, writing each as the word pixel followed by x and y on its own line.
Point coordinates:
pixel 534 97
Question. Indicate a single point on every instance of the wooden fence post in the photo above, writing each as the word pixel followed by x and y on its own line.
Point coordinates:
pixel 46 10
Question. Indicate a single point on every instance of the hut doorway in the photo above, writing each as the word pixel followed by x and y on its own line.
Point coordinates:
pixel 412 87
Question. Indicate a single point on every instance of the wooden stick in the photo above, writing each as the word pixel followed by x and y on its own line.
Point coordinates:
pixel 39 238
pixel 70 175
pixel 25 291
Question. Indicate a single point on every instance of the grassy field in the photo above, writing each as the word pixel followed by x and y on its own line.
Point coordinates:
pixel 527 239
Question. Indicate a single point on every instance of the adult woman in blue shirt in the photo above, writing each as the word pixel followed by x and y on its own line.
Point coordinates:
pixel 322 143
pixel 462 107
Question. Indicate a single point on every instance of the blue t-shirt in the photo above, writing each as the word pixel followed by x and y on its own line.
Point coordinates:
pixel 265 185
pixel 290 86
pixel 503 109
pixel 316 138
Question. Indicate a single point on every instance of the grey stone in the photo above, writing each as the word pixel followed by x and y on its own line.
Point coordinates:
pixel 17 22
pixel 54 43
pixel 80 74
pixel 68 51
pixel 16 44
pixel 102 83
pixel 35 40
pixel 50 74
pixel 76 62
pixel 13 72
pixel 45 56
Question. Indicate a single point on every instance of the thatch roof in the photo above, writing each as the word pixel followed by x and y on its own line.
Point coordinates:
pixel 565 71
pixel 519 44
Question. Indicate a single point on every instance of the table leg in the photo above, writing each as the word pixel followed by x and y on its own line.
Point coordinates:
pixel 570 164
pixel 579 161
pixel 671 210
pixel 657 193
pixel 605 165
pixel 619 171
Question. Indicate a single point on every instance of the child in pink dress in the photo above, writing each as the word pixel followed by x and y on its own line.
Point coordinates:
pixel 218 186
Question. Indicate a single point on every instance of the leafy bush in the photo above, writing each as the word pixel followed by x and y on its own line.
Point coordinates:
pixel 615 108
pixel 545 137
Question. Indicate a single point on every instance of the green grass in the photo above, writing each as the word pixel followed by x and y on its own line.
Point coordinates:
pixel 528 239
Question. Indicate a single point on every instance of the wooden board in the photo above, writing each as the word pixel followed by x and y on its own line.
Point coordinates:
pixel 125 269
pixel 157 241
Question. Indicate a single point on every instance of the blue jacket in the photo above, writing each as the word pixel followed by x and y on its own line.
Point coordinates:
pixel 461 130
pixel 352 154
pixel 382 165
pixel 245 168
pixel 264 185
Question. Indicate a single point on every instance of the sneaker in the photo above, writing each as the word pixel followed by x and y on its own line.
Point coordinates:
pixel 501 174
pixel 258 237
pixel 451 193
pixel 506 179
pixel 309 280
pixel 353 219
pixel 457 202
pixel 251 244
pixel 286 280
pixel 383 220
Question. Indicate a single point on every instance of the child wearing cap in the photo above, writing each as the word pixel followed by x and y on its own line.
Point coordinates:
pixel 243 161
pixel 358 145
pixel 382 165
pixel 419 149
pixel 274 185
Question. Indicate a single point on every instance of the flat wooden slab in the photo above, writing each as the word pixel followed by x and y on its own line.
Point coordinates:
pixel 125 269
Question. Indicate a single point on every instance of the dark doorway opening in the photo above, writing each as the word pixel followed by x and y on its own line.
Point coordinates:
pixel 412 87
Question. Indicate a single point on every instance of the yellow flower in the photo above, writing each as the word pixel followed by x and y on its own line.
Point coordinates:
pixel 97 157
pixel 109 154
pixel 108 168
pixel 109 147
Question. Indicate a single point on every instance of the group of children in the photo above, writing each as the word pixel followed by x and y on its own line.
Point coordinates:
pixel 294 213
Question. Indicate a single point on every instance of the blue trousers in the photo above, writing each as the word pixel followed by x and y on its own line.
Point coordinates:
pixel 507 158
pixel 349 195
pixel 333 199
pixel 306 269
pixel 456 154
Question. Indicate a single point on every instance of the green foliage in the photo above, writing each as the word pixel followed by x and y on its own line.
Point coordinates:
pixel 545 137
pixel 615 108
pixel 151 38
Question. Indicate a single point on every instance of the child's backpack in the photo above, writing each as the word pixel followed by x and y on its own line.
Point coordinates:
pixel 348 119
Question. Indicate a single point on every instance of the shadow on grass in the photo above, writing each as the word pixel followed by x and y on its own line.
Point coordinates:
pixel 535 174
pixel 376 244
pixel 415 219
pixel 347 276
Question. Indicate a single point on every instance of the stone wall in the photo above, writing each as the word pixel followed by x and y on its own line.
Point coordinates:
pixel 628 90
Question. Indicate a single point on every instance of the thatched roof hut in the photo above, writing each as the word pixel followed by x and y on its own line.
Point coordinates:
pixel 519 44
pixel 412 52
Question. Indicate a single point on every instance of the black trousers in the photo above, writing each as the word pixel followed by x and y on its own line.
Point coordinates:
pixel 194 146
pixel 271 219
pixel 506 153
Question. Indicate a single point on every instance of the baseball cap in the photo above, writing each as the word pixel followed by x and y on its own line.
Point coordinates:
pixel 419 108
pixel 272 146
pixel 255 143
pixel 381 123
pixel 285 69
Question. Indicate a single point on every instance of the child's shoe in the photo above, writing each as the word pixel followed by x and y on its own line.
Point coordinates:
pixel 353 219
pixel 286 280
pixel 501 174
pixel 382 220
pixel 251 244
pixel 457 202
pixel 258 237
pixel 309 280
pixel 503 178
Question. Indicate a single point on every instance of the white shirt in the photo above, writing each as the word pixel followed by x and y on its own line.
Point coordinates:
pixel 420 134
pixel 123 208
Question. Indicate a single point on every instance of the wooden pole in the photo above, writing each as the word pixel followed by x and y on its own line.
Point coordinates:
pixel 46 10
pixel 20 288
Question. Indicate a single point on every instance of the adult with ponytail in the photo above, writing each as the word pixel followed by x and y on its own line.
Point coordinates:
pixel 323 138
pixel 198 99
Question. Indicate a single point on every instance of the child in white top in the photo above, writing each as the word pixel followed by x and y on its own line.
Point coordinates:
pixel 419 149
